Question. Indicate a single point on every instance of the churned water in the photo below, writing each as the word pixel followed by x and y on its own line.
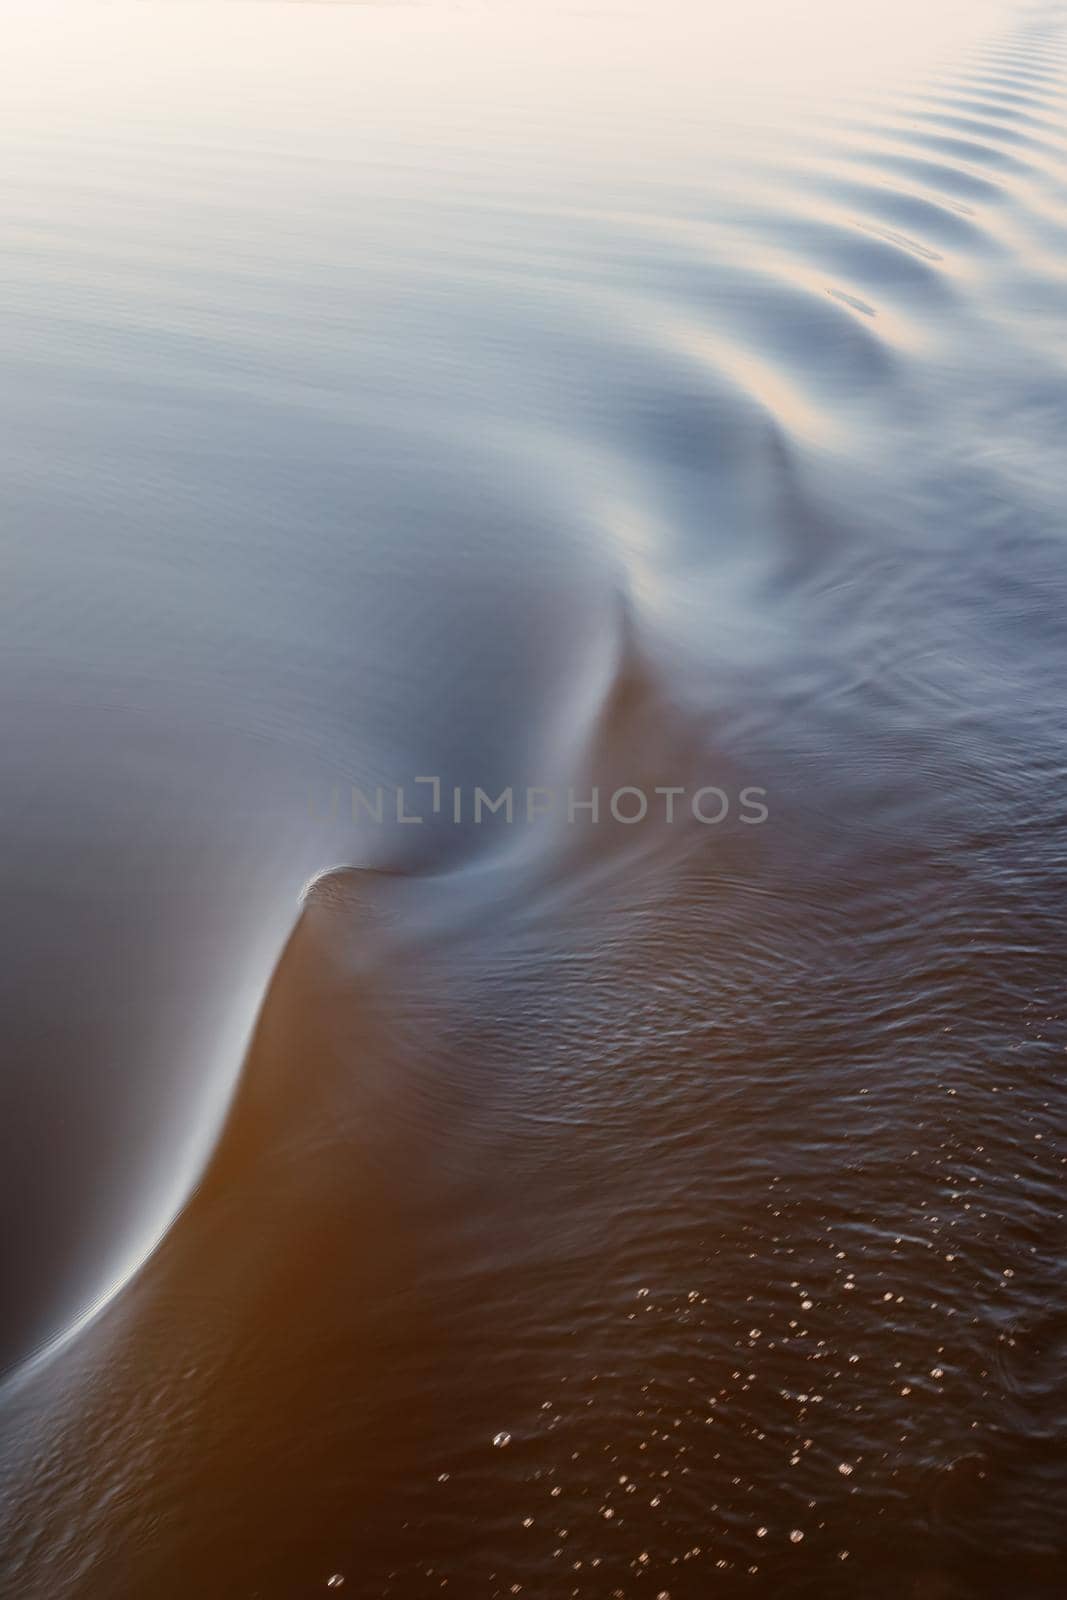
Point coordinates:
pixel 582 489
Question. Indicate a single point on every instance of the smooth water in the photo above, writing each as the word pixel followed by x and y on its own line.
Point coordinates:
pixel 626 396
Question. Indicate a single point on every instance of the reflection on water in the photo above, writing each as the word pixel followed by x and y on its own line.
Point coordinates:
pixel 618 398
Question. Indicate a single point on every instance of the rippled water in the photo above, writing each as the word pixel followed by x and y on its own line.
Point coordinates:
pixel 629 396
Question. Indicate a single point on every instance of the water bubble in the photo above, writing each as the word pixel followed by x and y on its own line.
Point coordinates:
pixel 795 1536
pixel 501 1439
pixel 335 1580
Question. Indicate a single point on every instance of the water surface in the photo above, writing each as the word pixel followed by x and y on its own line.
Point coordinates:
pixel 619 396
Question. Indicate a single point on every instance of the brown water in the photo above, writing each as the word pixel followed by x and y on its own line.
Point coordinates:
pixel 536 398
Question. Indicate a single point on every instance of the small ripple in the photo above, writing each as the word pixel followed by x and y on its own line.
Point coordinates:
pixel 989 107
pixel 988 129
pixel 901 241
pixel 948 223
pixel 970 151
pixel 938 175
pixel 882 259
pixel 990 84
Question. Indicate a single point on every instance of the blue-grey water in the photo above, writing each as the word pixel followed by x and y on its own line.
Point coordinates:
pixel 535 399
